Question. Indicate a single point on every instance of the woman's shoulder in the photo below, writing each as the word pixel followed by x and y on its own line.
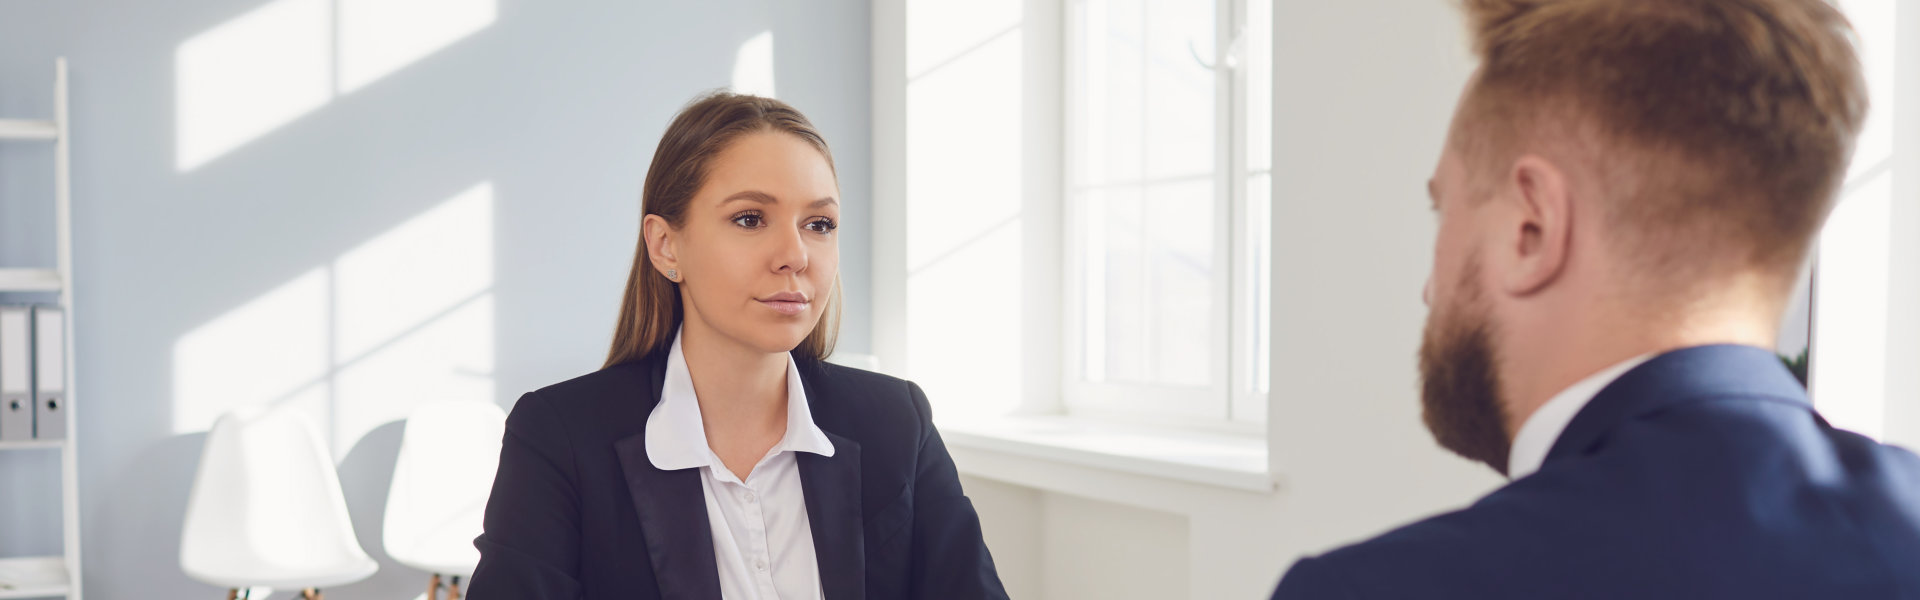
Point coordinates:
pixel 605 396
pixel 862 394
pixel 613 379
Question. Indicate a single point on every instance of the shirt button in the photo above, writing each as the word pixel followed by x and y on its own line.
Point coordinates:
pixel 749 496
pixel 760 565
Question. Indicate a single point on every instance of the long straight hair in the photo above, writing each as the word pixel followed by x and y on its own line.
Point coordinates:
pixel 650 312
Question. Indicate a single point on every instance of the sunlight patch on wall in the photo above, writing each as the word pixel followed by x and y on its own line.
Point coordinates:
pixel 266 68
pixel 250 76
pixel 753 66
pixel 415 271
pixel 378 37
pixel 266 350
pixel 403 318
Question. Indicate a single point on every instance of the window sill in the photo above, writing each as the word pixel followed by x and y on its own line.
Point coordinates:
pixel 1215 459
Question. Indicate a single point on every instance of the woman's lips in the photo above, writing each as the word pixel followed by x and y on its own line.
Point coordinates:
pixel 786 307
pixel 786 303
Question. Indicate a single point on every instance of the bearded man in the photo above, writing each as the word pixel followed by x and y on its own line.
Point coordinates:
pixel 1626 196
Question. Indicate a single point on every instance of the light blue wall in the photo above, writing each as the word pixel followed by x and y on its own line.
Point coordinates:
pixel 558 104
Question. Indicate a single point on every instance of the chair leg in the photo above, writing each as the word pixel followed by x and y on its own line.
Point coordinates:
pixel 433 587
pixel 453 591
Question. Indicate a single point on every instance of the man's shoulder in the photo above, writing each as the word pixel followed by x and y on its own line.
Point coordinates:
pixel 1805 508
pixel 1460 554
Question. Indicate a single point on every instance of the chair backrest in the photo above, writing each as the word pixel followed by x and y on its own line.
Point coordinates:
pixel 441 483
pixel 266 502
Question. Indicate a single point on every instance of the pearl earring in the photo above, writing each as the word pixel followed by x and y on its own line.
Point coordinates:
pixel 673 275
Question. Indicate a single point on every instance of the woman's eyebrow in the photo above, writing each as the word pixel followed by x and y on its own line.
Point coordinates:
pixel 760 197
pixel 750 196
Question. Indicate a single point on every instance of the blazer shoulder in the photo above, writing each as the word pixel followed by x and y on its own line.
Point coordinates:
pixel 858 403
pixel 849 376
pixel 850 382
pixel 1457 551
pixel 605 404
pixel 1312 579
pixel 621 379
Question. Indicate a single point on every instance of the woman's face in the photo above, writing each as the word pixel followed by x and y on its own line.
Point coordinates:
pixel 758 253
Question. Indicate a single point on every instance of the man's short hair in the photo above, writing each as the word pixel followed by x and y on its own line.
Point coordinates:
pixel 1720 130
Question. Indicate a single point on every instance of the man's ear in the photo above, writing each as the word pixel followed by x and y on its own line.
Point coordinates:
pixel 1541 235
pixel 662 242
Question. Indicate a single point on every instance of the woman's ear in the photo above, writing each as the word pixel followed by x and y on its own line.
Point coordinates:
pixel 661 246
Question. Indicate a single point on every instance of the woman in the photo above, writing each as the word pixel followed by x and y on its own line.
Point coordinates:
pixel 716 456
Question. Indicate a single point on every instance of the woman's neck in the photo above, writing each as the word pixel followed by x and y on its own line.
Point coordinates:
pixel 742 390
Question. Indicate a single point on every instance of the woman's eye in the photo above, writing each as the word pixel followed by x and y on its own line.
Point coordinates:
pixel 749 220
pixel 822 226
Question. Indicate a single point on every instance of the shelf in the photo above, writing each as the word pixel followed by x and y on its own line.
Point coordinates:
pixel 15 129
pixel 29 280
pixel 33 577
pixel 29 577
pixel 33 445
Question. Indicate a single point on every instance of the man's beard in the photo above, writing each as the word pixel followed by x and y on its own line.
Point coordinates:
pixel 1460 386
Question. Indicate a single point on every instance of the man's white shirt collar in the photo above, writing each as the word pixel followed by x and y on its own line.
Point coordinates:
pixel 1543 427
pixel 677 435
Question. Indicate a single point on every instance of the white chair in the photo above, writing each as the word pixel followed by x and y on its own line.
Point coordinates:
pixel 440 487
pixel 266 510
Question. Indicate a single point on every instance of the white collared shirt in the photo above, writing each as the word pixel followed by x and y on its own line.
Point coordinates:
pixel 762 540
pixel 1543 427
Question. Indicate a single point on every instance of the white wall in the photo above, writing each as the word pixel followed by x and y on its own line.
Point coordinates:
pixel 1363 95
pixel 555 107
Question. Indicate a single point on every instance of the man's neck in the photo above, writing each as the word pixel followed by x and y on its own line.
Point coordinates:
pixel 1541 368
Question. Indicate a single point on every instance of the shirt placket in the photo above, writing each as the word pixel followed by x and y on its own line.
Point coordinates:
pixel 761 561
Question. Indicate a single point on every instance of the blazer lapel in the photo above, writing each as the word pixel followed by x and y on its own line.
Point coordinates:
pixel 673 517
pixel 672 510
pixel 832 489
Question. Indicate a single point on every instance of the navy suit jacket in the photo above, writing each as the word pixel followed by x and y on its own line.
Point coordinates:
pixel 578 511
pixel 1703 473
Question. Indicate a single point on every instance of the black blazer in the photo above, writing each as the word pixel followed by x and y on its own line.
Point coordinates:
pixel 578 511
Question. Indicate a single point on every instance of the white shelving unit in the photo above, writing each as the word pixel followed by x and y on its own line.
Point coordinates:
pixel 50 576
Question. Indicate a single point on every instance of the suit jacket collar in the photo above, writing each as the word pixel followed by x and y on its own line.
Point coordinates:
pixel 1675 378
pixel 673 514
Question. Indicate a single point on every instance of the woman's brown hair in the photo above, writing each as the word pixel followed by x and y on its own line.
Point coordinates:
pixel 650 312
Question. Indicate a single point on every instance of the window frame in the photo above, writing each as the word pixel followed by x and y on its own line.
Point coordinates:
pixel 1232 399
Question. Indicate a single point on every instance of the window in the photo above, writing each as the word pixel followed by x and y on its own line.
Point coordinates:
pixel 1071 207
pixel 1858 300
pixel 1167 182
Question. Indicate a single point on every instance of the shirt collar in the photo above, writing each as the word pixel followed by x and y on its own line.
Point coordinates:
pixel 1543 427
pixel 677 436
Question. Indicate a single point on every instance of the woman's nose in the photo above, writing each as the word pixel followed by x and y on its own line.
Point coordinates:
pixel 791 255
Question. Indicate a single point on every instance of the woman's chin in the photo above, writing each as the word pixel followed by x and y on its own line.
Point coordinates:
pixel 779 341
